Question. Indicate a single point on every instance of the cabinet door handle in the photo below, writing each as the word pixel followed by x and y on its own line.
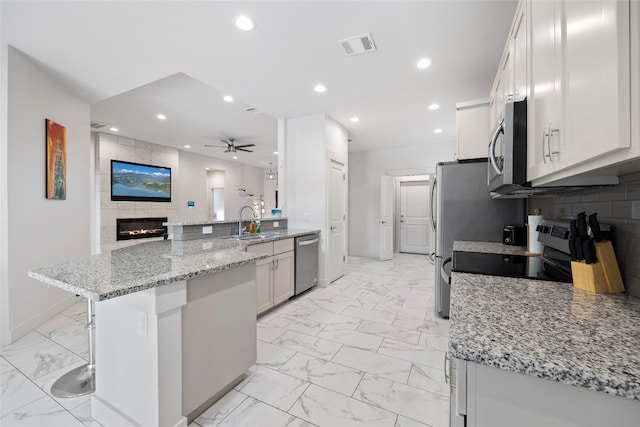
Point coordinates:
pixel 277 263
pixel 544 135
pixel 551 132
pixel 447 377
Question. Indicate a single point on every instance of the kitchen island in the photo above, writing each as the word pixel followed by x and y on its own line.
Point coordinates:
pixel 175 324
pixel 534 352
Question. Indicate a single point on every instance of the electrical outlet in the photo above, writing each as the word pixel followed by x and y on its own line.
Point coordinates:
pixel 207 245
pixel 142 323
pixel 276 224
pixel 207 230
pixel 306 216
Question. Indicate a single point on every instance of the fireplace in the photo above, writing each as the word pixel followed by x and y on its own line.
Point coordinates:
pixel 140 228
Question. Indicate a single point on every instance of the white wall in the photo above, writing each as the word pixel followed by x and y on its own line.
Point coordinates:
pixel 307 143
pixel 41 232
pixel 365 169
pixel 4 224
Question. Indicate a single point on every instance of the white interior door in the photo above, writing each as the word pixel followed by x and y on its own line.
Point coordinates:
pixel 337 219
pixel 414 217
pixel 386 218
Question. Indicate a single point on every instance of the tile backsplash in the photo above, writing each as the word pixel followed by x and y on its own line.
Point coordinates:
pixel 618 206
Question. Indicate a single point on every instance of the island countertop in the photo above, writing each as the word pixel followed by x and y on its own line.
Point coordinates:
pixel 148 265
pixel 548 330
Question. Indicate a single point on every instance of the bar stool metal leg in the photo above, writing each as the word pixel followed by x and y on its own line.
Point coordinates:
pixel 81 380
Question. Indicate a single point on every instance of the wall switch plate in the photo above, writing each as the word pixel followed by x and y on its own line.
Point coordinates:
pixel 142 323
pixel 276 224
pixel 306 216
pixel 207 230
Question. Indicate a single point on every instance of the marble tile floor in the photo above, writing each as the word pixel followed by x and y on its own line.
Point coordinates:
pixel 365 351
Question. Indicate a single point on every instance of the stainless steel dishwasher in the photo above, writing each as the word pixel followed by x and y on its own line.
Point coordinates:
pixel 306 262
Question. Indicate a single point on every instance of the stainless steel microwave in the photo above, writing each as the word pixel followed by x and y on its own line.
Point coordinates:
pixel 507 166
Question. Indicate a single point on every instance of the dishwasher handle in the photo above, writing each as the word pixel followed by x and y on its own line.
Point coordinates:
pixel 308 242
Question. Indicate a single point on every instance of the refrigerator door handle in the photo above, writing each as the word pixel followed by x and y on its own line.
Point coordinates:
pixel 432 201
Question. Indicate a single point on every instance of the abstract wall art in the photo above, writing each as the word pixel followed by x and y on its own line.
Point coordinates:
pixel 56 161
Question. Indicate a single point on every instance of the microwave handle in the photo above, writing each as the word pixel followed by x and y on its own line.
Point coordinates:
pixel 492 147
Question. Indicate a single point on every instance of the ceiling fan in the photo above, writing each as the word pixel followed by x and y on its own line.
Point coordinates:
pixel 231 147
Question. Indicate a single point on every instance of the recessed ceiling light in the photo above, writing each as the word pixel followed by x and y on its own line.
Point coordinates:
pixel 161 117
pixel 207 168
pixel 437 130
pixel 113 129
pixel 275 152
pixel 433 107
pixel 235 157
pixel 354 119
pixel 187 146
pixel 228 98
pixel 423 63
pixel 320 88
pixel 244 23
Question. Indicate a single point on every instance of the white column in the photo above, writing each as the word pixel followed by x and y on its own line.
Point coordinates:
pixel 139 358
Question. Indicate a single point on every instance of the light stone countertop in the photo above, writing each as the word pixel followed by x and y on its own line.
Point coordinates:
pixel 488 248
pixel 151 264
pixel 548 330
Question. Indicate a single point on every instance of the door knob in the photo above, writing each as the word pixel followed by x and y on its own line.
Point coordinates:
pixel 383 222
pixel 333 227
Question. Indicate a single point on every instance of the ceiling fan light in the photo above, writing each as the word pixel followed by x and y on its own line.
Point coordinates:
pixel 271 176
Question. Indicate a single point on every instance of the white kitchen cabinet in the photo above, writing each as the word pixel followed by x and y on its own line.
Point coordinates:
pixel 283 277
pixel 518 51
pixel 579 89
pixel 472 129
pixel 543 106
pixel 264 284
pixel 510 83
pixel 493 397
pixel 274 275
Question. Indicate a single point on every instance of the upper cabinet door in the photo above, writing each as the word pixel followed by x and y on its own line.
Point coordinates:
pixel 544 131
pixel 595 79
pixel 519 55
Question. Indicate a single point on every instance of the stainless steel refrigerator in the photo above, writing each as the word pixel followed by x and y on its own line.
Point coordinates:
pixel 465 211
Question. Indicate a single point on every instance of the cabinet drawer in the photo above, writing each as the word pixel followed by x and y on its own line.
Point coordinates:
pixel 261 248
pixel 280 246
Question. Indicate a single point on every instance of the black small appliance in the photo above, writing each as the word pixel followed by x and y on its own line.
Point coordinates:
pixel 515 235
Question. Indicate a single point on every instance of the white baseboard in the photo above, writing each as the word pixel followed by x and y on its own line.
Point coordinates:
pixel 30 324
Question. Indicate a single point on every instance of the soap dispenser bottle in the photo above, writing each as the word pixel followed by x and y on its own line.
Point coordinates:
pixel 258 230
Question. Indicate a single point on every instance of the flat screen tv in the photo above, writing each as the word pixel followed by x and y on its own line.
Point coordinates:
pixel 136 182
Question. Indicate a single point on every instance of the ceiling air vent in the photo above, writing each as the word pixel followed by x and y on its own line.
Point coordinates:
pixel 98 125
pixel 252 110
pixel 357 44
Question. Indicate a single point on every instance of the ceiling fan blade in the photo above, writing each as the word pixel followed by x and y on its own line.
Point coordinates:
pixel 227 143
pixel 244 149
pixel 209 145
pixel 246 145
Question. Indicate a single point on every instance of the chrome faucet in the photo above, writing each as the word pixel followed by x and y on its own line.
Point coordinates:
pixel 253 211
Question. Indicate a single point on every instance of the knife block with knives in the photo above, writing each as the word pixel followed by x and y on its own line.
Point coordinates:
pixel 594 265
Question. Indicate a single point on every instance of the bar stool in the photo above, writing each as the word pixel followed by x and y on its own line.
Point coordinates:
pixel 81 380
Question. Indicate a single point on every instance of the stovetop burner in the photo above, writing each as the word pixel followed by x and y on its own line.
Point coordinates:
pixel 518 266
